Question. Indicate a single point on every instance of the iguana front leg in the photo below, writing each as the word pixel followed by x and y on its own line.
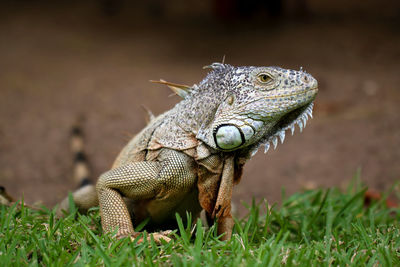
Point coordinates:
pixel 134 180
pixel 222 209
pixel 165 179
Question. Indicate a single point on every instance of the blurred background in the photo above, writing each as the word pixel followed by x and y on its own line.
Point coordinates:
pixel 63 59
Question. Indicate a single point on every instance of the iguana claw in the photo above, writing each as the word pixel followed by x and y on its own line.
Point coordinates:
pixel 157 237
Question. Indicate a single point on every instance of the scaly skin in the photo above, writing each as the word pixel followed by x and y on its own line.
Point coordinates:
pixel 189 158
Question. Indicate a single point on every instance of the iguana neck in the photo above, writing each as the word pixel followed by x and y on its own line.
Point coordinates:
pixel 191 114
pixel 198 110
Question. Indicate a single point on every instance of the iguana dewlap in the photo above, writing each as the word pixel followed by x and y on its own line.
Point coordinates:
pixel 188 158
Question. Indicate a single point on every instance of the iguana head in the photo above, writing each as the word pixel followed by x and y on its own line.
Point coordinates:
pixel 256 105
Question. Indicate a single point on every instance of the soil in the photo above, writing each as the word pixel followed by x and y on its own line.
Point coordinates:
pixel 59 65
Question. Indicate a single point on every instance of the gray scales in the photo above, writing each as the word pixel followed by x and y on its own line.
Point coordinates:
pixel 189 158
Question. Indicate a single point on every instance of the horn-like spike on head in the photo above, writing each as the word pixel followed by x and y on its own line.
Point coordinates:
pixel 216 66
pixel 179 89
pixel 150 116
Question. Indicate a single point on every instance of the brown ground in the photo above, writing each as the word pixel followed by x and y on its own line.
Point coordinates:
pixel 57 65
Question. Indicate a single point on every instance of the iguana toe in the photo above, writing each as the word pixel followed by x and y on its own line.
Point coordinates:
pixel 157 237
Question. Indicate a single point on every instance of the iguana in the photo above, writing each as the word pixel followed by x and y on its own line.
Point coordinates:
pixel 189 158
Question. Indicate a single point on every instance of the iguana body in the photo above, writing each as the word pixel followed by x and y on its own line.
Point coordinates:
pixel 188 158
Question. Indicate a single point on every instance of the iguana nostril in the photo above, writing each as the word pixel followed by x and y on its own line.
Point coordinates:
pixel 228 137
pixel 315 84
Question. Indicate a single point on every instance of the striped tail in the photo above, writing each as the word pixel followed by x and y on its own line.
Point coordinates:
pixel 5 198
pixel 85 196
pixel 81 168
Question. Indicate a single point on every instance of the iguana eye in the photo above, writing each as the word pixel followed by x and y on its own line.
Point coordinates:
pixel 264 78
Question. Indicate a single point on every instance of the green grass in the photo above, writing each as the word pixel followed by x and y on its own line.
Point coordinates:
pixel 313 228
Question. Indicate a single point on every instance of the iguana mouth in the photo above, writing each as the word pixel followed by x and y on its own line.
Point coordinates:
pixel 298 116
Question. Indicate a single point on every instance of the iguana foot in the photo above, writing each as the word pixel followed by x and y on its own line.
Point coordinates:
pixel 156 236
